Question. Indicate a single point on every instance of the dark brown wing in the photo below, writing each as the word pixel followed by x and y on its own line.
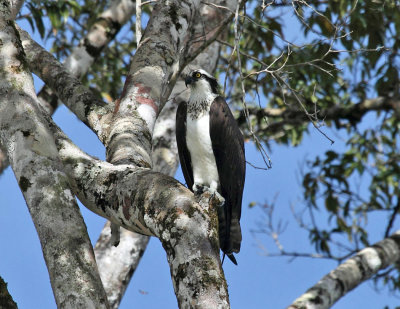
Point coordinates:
pixel 184 154
pixel 228 146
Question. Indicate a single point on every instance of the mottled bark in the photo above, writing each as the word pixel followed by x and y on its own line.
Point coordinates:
pixel 77 97
pixel 117 264
pixel 3 159
pixel 350 274
pixel 165 160
pixel 153 72
pixel 104 188
pixel 6 300
pixel 40 174
pixel 15 7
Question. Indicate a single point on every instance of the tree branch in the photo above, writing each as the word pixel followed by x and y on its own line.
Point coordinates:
pixel 118 264
pixel 293 116
pixel 77 97
pixel 392 217
pixel 350 274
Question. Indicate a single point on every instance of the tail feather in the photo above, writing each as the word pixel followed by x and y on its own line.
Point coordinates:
pixel 235 237
pixel 230 256
pixel 230 235
pixel 230 240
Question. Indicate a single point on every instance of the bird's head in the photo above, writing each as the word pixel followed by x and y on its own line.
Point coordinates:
pixel 202 80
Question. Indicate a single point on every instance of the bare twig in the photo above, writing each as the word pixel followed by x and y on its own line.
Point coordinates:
pixel 264 154
pixel 392 217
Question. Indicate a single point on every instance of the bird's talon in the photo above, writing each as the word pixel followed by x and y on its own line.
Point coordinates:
pixel 219 198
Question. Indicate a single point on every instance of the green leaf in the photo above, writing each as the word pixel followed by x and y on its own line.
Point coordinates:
pixel 37 16
pixel 332 203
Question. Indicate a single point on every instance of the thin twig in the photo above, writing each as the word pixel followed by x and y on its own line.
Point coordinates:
pixel 264 154
pixel 392 217
pixel 256 167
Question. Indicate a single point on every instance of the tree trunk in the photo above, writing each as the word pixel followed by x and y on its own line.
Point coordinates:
pixel 40 174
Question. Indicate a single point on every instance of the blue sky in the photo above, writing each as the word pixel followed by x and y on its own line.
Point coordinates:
pixel 258 281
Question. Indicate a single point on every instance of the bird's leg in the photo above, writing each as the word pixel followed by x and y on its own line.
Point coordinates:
pixel 219 198
pixel 215 194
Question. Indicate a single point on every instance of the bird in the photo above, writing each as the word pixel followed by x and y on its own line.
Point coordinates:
pixel 212 156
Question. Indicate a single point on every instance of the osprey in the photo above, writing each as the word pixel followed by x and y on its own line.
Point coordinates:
pixel 211 151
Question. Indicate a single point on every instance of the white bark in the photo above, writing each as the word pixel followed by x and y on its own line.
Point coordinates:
pixel 99 35
pixel 350 274
pixel 157 62
pixel 15 7
pixel 132 197
pixel 117 264
pixel 34 158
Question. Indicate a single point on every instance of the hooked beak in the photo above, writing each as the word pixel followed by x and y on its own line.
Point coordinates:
pixel 188 80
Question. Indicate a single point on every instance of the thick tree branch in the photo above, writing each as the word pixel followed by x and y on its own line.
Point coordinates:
pixel 77 97
pixel 34 158
pixel 132 122
pixel 162 45
pixel 118 264
pixel 350 274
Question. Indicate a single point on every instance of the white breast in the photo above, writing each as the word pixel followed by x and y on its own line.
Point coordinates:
pixel 199 144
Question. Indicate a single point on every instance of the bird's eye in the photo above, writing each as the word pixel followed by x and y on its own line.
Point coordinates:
pixel 197 74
